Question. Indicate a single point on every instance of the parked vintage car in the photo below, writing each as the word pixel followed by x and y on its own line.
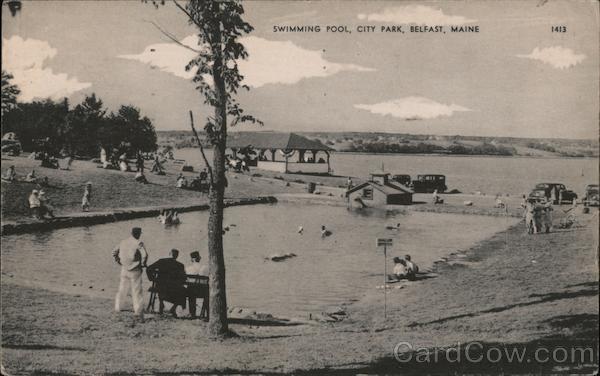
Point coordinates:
pixel 556 192
pixel 402 179
pixel 591 197
pixel 429 183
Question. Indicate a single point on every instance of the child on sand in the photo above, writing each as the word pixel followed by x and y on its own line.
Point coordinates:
pixel 34 204
pixel 436 199
pixel 400 269
pixel 31 178
pixel 87 196
pixel 411 268
pixel 325 232
pixel 45 206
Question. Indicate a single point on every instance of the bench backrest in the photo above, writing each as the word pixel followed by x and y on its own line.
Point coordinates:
pixel 197 280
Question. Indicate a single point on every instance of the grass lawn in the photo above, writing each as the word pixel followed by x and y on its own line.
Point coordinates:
pixel 113 189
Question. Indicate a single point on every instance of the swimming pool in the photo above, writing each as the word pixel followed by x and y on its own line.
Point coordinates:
pixel 326 272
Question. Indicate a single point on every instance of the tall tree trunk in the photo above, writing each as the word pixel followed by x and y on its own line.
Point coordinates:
pixel 218 294
pixel 218 297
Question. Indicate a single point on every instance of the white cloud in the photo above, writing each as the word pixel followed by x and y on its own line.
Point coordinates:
pixel 168 57
pixel 25 58
pixel 415 14
pixel 269 62
pixel 412 108
pixel 557 56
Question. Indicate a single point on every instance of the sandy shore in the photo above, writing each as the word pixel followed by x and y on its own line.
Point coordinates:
pixel 513 290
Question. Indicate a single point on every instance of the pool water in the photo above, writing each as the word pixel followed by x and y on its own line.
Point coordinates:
pixel 326 272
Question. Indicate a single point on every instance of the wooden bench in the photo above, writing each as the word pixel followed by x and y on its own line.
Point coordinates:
pixel 196 286
pixel 153 291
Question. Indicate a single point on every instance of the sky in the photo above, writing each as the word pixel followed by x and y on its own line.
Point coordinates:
pixel 515 77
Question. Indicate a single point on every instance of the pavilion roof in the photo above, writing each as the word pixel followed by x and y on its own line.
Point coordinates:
pixel 273 140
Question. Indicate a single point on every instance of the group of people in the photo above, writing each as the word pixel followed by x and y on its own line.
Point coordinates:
pixel 39 205
pixel 11 175
pixel 198 183
pixel 236 164
pixel 404 268
pixel 168 274
pixel 169 217
pixel 538 215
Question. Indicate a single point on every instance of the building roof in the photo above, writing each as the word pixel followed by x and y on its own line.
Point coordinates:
pixel 273 140
pixel 379 173
pixel 388 188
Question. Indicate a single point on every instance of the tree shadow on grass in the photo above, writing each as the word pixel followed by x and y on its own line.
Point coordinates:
pixel 542 298
pixel 533 357
pixel 36 346
pixel 264 322
pixel 584 284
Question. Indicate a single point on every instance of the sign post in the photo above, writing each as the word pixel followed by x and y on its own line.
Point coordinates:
pixel 385 243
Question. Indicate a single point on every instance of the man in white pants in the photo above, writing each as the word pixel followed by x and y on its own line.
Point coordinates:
pixel 132 257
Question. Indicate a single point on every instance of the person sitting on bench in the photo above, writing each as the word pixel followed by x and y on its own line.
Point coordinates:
pixel 195 292
pixel 170 281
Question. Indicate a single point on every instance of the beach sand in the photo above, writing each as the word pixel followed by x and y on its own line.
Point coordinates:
pixel 512 290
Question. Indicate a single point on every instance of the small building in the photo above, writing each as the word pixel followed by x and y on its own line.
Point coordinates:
pixel 283 152
pixel 380 190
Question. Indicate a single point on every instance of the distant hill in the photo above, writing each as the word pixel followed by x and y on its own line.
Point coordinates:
pixel 179 139
pixel 379 142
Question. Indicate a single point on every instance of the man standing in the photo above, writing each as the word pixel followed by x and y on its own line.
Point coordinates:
pixel 170 281
pixel 132 257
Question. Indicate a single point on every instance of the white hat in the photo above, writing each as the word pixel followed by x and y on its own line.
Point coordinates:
pixel 34 191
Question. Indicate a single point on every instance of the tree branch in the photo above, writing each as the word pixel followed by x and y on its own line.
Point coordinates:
pixel 171 37
pixel 188 14
pixel 208 166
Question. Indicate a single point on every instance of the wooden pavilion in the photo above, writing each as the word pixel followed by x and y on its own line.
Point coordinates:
pixel 283 152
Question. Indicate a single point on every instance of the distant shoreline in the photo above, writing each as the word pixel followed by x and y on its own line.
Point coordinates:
pixel 469 155
pixel 444 154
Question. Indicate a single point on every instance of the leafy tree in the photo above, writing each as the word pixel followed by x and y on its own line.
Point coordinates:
pixel 217 78
pixel 50 126
pixel 9 93
pixel 80 135
pixel 38 125
pixel 128 127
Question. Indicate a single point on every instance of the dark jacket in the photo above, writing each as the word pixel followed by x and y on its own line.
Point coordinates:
pixel 170 279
